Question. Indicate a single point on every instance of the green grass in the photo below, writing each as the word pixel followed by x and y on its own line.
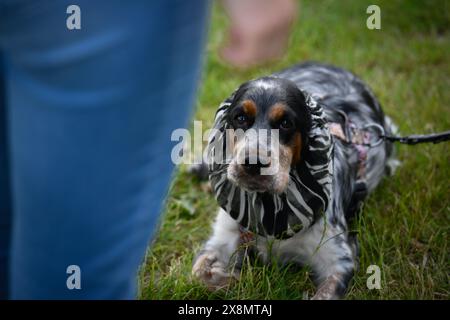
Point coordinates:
pixel 405 223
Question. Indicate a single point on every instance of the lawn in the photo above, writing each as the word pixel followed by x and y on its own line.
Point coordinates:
pixel 405 222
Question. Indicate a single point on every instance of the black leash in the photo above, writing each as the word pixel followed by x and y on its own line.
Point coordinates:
pixel 417 138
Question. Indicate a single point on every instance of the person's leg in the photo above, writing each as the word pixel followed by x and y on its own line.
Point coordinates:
pixel 259 31
pixel 5 197
pixel 90 114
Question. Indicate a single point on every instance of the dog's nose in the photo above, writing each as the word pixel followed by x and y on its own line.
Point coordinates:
pixel 254 168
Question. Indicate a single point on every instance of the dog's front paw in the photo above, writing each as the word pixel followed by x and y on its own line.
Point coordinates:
pixel 213 272
pixel 324 295
pixel 328 290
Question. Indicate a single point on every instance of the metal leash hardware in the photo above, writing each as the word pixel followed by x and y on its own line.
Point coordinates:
pixel 350 133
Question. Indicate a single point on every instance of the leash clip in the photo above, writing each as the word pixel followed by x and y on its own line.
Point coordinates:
pixel 380 136
pixel 362 136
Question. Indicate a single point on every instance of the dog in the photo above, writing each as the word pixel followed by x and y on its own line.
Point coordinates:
pixel 329 156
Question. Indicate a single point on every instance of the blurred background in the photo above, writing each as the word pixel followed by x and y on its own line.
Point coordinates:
pixel 404 227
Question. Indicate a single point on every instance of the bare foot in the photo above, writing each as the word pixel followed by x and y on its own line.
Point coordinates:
pixel 259 31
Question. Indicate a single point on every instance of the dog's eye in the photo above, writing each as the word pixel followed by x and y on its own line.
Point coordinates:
pixel 286 124
pixel 241 118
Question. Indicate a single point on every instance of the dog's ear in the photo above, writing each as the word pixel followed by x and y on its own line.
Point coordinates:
pixel 297 101
pixel 237 95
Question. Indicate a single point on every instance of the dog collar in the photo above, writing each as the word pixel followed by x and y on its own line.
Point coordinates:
pixel 306 197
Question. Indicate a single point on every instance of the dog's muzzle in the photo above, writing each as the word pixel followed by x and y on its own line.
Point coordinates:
pixel 255 165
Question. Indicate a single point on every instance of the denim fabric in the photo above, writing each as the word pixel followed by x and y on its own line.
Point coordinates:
pixel 85 123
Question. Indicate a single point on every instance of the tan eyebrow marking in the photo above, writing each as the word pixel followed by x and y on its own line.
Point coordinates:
pixel 249 108
pixel 277 112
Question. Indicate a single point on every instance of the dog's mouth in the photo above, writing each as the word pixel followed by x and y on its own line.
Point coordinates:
pixel 260 169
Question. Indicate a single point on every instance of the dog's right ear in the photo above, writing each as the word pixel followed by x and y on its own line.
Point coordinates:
pixel 237 95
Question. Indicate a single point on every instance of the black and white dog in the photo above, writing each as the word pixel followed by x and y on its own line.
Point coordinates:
pixel 329 156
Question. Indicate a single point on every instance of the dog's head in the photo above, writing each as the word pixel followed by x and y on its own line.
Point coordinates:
pixel 271 120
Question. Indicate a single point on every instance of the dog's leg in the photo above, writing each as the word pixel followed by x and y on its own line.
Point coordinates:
pixel 213 264
pixel 328 251
pixel 333 261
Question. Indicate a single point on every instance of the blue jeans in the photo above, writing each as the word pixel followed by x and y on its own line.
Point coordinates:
pixel 85 123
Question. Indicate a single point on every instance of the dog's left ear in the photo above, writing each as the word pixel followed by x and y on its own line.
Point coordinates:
pixel 297 101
